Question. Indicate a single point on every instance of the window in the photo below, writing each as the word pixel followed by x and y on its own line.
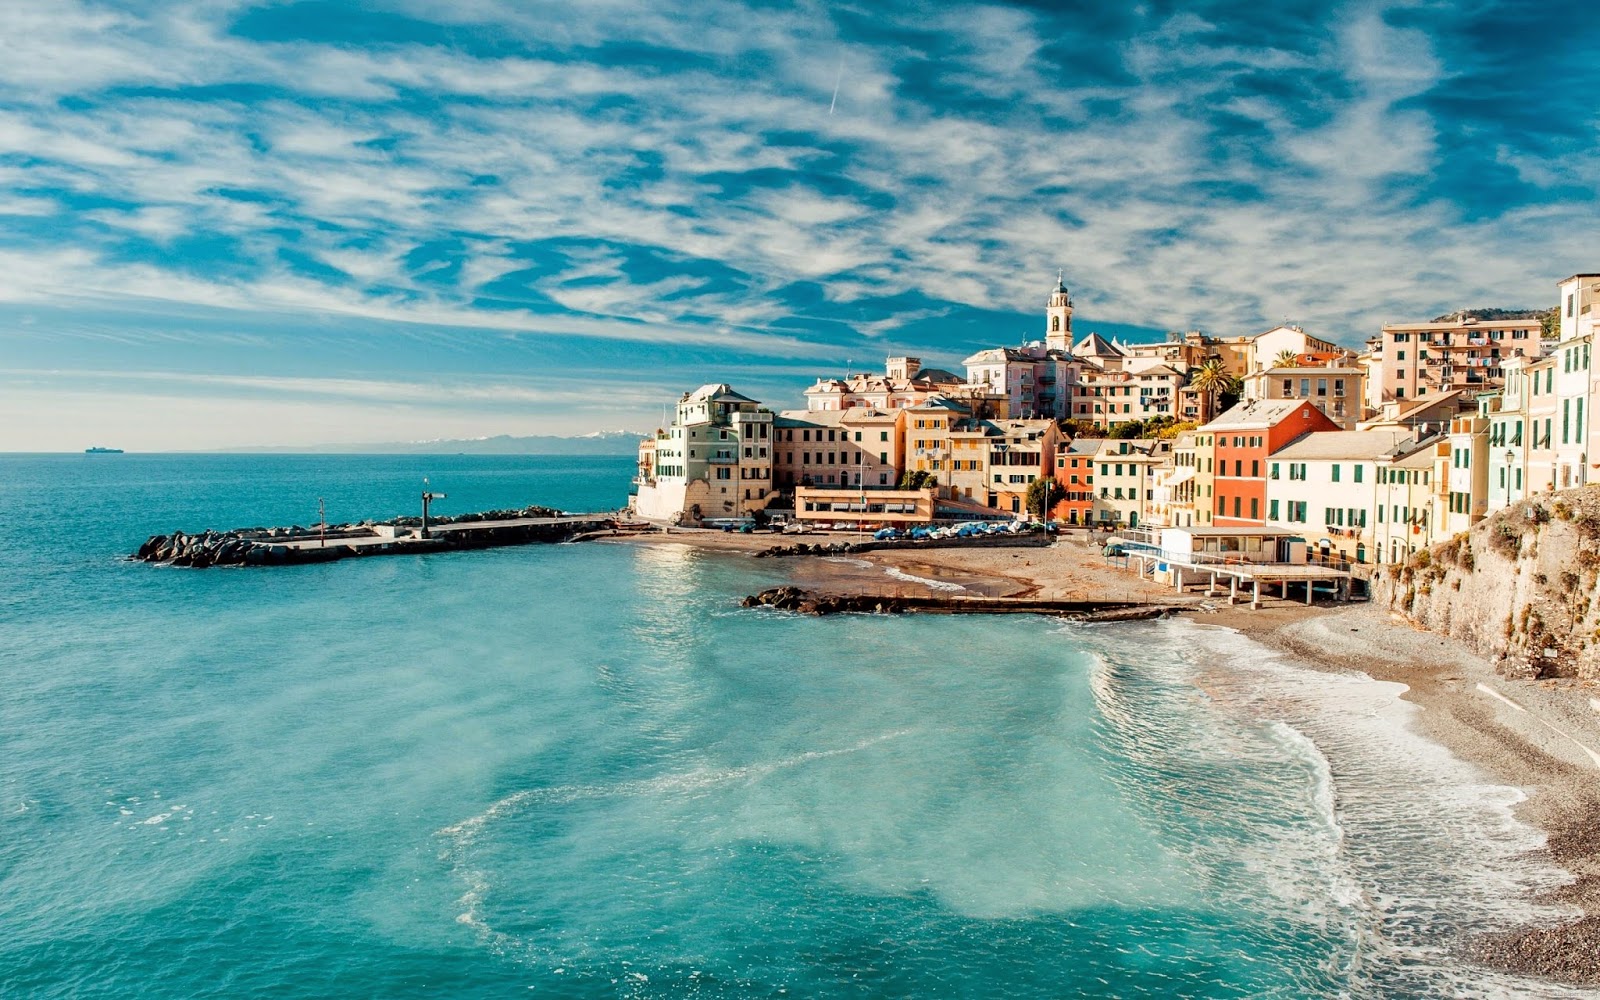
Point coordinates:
pixel 1272 510
pixel 1401 355
pixel 1255 509
pixel 1255 467
pixel 1273 474
pixel 1356 473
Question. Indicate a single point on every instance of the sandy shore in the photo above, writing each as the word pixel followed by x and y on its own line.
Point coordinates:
pixel 1543 737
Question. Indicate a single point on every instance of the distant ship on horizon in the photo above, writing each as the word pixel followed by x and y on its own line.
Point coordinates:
pixel 102 451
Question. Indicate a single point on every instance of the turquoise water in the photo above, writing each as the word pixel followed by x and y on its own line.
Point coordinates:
pixel 583 771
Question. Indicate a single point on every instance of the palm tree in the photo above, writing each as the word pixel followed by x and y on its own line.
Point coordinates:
pixel 1286 359
pixel 1211 379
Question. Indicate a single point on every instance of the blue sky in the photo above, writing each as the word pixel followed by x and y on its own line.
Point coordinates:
pixel 227 223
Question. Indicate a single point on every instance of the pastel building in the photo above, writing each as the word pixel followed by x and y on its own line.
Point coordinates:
pixel 1124 480
pixel 851 447
pixel 905 382
pixel 1335 388
pixel 1466 493
pixel 715 461
pixel 1020 451
pixel 1245 439
pixel 1428 359
pixel 1403 502
pixel 1075 481
pixel 1325 485
pixel 1507 455
pixel 1175 485
pixel 1543 404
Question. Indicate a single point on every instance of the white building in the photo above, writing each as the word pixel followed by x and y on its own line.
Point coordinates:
pixel 1467 492
pixel 715 461
pixel 1403 504
pixel 1325 485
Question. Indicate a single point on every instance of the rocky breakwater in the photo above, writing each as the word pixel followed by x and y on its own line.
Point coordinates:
pixel 806 602
pixel 1520 588
pixel 298 545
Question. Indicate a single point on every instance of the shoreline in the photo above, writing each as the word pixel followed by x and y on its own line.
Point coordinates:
pixel 1542 737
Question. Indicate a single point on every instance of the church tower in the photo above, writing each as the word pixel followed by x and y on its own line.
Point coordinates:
pixel 1058 318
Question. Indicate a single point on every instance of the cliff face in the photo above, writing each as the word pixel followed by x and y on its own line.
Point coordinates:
pixel 1519 588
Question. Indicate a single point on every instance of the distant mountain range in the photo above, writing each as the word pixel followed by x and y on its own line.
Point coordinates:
pixel 598 443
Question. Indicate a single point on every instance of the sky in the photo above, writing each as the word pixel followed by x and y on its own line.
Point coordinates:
pixel 229 223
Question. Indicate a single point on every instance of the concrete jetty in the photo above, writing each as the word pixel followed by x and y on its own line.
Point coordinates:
pixel 299 545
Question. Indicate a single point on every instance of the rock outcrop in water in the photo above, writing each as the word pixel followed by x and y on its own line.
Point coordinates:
pixel 1519 588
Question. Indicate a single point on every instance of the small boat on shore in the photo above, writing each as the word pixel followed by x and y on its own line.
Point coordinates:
pixel 102 451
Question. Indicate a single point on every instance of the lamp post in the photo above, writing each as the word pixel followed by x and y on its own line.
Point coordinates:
pixel 861 484
pixel 427 498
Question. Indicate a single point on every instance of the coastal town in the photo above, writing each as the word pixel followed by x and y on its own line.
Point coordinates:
pixel 1323 454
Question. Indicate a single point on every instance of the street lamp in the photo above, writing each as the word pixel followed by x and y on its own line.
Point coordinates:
pixel 427 498
pixel 861 484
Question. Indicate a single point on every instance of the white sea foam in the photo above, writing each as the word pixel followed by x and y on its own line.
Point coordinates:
pixel 931 584
pixel 462 837
pixel 1414 846
pixel 858 563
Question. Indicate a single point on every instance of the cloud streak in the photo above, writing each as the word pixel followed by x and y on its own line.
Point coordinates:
pixel 696 184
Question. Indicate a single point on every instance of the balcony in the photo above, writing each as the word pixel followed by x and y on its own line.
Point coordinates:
pixel 722 458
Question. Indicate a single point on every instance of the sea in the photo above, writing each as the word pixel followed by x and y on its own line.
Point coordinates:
pixel 582 770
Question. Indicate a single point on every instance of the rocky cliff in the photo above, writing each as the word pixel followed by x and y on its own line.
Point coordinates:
pixel 1519 588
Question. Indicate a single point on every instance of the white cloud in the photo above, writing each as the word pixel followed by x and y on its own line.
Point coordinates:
pixel 365 154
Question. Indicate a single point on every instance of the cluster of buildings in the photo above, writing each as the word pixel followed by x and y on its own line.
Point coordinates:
pixel 1369 456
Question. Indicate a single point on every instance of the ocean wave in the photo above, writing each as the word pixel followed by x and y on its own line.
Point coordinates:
pixel 1320 789
pixel 931 584
pixel 462 837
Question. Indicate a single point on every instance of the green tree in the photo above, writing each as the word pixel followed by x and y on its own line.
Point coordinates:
pixel 1073 428
pixel 1169 431
pixel 1041 491
pixel 918 479
pixel 1286 359
pixel 1550 323
pixel 1212 380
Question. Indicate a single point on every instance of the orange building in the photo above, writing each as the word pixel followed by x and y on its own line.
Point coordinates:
pixel 1074 476
pixel 1240 442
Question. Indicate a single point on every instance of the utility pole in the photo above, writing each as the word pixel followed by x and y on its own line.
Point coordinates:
pixel 427 497
pixel 861 484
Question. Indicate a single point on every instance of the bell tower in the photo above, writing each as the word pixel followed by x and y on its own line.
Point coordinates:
pixel 1058 318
